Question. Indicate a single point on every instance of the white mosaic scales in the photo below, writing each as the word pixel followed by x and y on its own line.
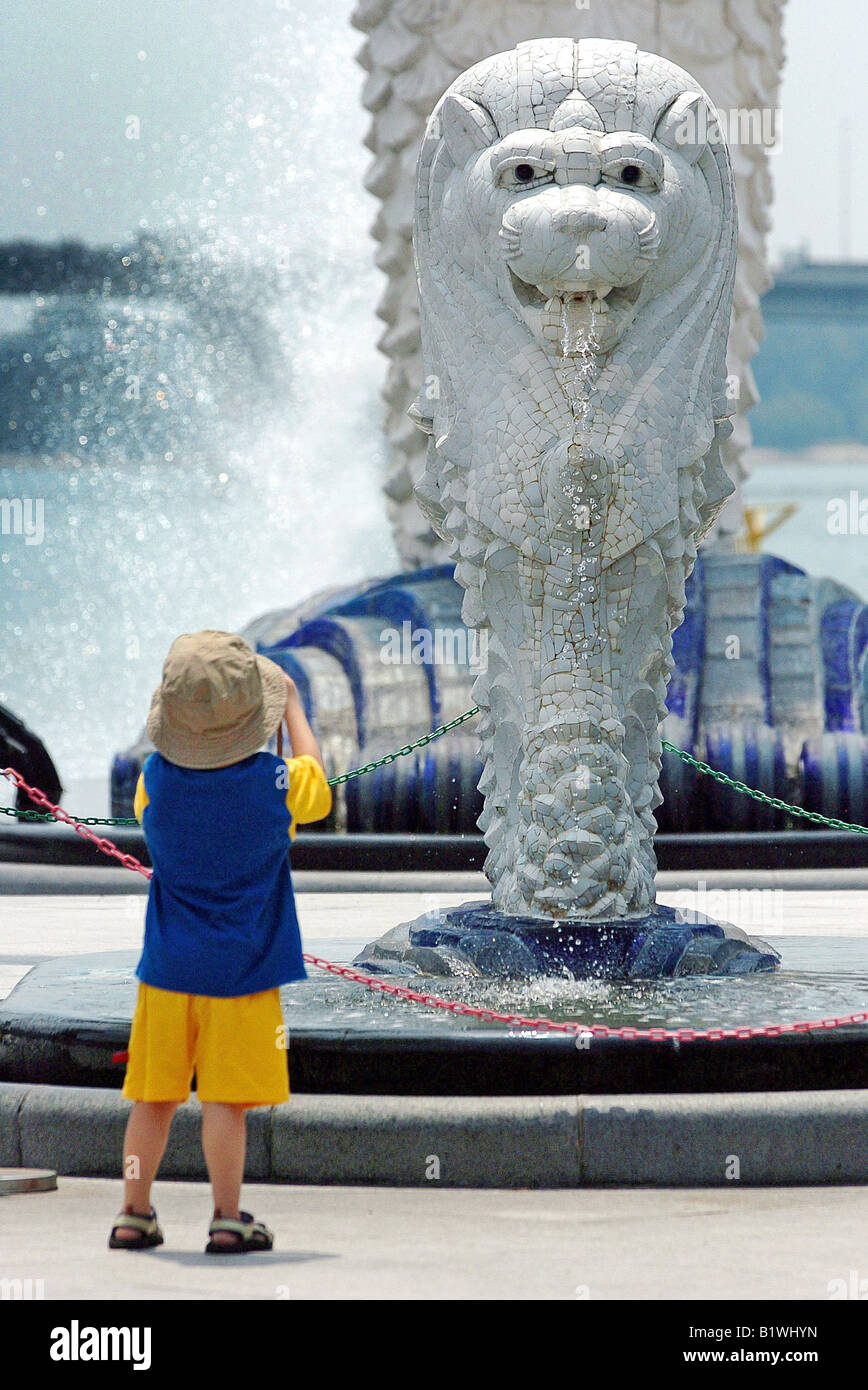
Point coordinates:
pixel 575 241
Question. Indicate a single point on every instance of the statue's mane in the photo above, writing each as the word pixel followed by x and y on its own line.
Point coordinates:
pixel 665 379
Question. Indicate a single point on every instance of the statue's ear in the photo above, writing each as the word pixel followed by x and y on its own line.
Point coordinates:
pixel 466 127
pixel 687 126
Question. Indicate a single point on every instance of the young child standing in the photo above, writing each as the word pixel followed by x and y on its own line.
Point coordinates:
pixel 221 933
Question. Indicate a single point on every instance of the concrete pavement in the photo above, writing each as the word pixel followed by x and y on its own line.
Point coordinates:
pixel 430 1243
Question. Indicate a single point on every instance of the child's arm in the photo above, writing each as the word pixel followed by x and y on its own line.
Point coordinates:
pixel 301 735
pixel 309 797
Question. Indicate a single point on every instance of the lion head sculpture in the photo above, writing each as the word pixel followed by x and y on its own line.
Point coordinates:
pixel 568 192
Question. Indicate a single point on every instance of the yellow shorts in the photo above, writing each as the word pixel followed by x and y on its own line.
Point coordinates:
pixel 237 1048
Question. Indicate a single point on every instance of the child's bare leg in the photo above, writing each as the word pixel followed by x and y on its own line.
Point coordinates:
pixel 224 1141
pixel 144 1145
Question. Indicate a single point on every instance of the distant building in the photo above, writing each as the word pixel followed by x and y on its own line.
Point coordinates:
pixel 812 368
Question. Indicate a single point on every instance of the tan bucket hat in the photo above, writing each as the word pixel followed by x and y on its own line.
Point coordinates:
pixel 218 702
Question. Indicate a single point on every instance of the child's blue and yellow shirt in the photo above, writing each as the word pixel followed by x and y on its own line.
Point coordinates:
pixel 221 914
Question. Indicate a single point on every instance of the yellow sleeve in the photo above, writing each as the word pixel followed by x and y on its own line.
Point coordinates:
pixel 141 798
pixel 310 796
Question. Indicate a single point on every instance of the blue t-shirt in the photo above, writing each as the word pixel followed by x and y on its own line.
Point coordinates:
pixel 221 914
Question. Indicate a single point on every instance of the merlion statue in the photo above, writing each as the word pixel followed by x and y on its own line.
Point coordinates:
pixel 575 241
pixel 575 244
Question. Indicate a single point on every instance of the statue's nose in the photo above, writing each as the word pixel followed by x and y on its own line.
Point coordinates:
pixel 579 221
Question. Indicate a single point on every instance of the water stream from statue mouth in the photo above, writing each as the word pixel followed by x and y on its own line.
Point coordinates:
pixel 578 327
pixel 580 478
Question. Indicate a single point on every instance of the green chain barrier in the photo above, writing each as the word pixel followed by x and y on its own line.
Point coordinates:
pixel 333 781
pixel 761 796
pixel 82 820
pixel 721 777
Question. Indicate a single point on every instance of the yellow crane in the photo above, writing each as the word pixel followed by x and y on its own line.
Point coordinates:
pixel 760 520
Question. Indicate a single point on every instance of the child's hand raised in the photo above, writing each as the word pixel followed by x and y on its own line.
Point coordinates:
pixel 301 735
pixel 293 702
pixel 292 694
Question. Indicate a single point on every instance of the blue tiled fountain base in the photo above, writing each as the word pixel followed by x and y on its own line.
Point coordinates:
pixel 475 939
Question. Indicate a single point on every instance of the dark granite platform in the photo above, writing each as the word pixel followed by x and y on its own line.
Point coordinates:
pixel 475 939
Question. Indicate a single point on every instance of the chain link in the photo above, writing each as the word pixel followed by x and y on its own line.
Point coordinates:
pixel 82 820
pixel 408 748
pixel 762 796
pixel 332 781
pixel 766 800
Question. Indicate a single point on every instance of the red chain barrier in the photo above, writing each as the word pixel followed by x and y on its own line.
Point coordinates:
pixel 433 1001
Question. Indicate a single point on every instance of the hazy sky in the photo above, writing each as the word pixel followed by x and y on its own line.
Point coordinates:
pixel 76 71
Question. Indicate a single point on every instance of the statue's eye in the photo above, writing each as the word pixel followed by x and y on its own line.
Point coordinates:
pixel 518 172
pixel 633 173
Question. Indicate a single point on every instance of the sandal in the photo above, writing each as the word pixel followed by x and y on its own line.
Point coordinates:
pixel 248 1234
pixel 149 1233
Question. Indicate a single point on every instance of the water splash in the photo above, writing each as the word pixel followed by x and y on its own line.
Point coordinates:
pixel 824 977
pixel 258 376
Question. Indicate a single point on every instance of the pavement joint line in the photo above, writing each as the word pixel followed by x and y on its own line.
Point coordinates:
pixel 791 1138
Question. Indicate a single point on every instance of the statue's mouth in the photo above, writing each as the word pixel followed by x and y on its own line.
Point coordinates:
pixel 597 311
pixel 600 298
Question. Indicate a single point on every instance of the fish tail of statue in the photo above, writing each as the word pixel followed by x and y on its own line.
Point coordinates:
pixel 571 765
